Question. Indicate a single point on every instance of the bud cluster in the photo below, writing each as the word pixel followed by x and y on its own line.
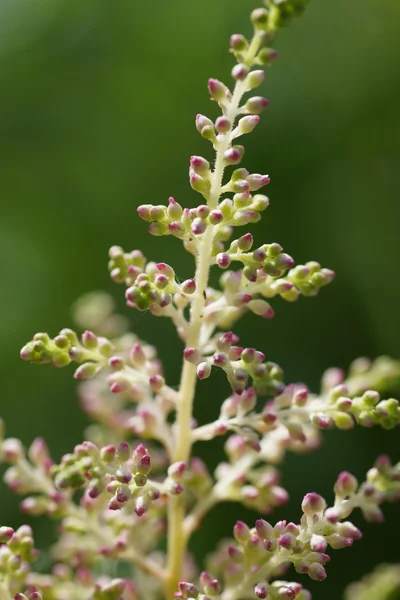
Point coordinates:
pixel 118 471
pixel 149 285
pixel 17 551
pixel 240 364
pixel 91 352
pixel 266 551
pixel 210 587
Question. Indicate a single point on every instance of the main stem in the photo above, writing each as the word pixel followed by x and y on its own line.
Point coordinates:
pixel 177 539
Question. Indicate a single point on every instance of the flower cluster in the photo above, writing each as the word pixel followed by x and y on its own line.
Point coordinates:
pixel 129 497
pixel 264 551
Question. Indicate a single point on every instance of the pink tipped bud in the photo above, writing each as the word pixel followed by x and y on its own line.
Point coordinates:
pixel 177 470
pixel 264 529
pixel 345 485
pixel 188 286
pixel 89 340
pixel 240 72
pixel 174 210
pixel 256 105
pixel 144 212
pixel 317 572
pixel 192 355
pixel 86 371
pixel 217 89
pixel 261 308
pixel 287 541
pixel 247 124
pixel 261 590
pixel 254 79
pixel 220 359
pixel 223 260
pixel 166 270
pixel 116 363
pixel 156 382
pixel 200 165
pixel 313 504
pixel 108 453
pixel 241 532
pixel 203 370
pixel 223 125
pixel 12 450
pixel 137 356
pixel 245 242
pixel 198 226
pixel 257 181
pixel 215 217
pixel 6 534
pixel 233 155
pixel 202 122
pixel 123 452
pixel 238 42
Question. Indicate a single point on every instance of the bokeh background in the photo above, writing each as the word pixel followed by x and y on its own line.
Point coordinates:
pixel 97 107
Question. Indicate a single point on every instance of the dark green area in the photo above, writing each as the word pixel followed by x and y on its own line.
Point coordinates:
pixel 97 108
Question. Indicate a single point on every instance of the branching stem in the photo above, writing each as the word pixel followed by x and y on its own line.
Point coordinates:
pixel 177 539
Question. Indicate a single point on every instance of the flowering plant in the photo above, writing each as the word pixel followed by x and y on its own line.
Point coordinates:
pixel 117 499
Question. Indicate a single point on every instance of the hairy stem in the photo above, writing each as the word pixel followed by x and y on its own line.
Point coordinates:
pixel 177 538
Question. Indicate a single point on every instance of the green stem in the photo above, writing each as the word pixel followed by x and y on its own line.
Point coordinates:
pixel 177 538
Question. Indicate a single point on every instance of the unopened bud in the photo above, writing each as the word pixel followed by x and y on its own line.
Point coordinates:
pixel 254 79
pixel 256 105
pixel 217 89
pixel 203 370
pixel 223 125
pixel 247 124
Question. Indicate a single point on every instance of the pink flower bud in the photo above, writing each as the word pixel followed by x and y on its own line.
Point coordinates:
pixel 317 572
pixel 313 504
pixel 256 105
pixel 89 340
pixel 192 355
pixel 241 532
pixel 261 308
pixel 223 260
pixel 174 210
pixel 223 125
pixel 203 370
pixel 240 72
pixel 86 371
pixel 202 122
pixel 198 226
pixel 248 124
pixel 264 529
pixel 6 533
pixel 238 42
pixel 218 90
pixel 177 470
pixel 144 212
pixel 200 165
pixel 123 452
pixel 245 242
pixel 254 79
pixel 215 217
pixel 233 155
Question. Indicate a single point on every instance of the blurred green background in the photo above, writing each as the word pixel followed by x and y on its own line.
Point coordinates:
pixel 97 108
